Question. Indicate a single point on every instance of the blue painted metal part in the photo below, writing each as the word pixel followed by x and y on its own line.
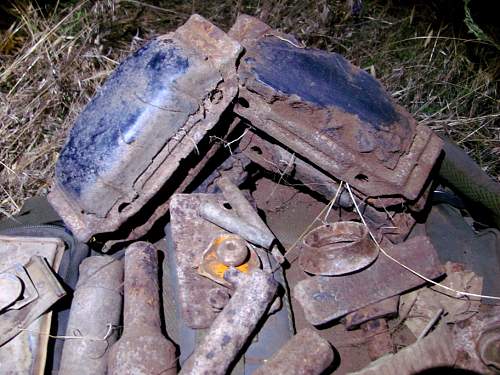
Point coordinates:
pixel 122 121
pixel 323 79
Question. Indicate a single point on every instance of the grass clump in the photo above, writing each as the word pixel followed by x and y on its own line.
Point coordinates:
pixel 54 57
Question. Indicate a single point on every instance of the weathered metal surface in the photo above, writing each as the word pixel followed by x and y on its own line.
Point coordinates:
pixel 488 346
pixel 337 249
pixel 49 291
pixel 387 308
pixel 242 206
pixel 227 250
pixel 95 309
pixel 332 113
pixel 233 251
pixel 324 298
pixel 142 348
pixel 476 341
pixel 205 151
pixel 149 115
pixel 276 328
pixel 305 353
pixel 445 348
pixel 383 214
pixel 27 351
pixel 235 323
pixel 378 338
pixel 434 351
pixel 191 235
pixel 10 289
pixel 230 221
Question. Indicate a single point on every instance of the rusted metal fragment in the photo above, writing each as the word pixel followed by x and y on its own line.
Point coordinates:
pixel 324 299
pixel 148 117
pixel 27 351
pixel 235 323
pixel 10 289
pixel 49 291
pixel 305 353
pixel 332 113
pixel 387 308
pixel 337 249
pixel 191 235
pixel 242 206
pixel 488 346
pixel 223 252
pixel 142 348
pixel 434 351
pixel 477 341
pixel 230 221
pixel 378 338
pixel 383 214
pixel 96 308
pixel 444 349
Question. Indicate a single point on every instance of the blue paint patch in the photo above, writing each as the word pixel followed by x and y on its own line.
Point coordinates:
pixel 322 78
pixel 118 114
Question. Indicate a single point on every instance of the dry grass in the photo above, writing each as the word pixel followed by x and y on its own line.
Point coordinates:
pixel 52 60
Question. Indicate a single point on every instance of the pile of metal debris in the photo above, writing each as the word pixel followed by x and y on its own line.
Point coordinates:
pixel 286 203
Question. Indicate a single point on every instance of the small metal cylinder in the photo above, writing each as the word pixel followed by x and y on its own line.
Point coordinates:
pixel 232 223
pixel 305 353
pixel 142 348
pixel 96 308
pixel 233 326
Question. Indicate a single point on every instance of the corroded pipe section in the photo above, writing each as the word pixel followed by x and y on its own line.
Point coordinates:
pixel 96 308
pixel 305 353
pixel 142 349
pixel 233 326
pixel 225 219
pixel 241 204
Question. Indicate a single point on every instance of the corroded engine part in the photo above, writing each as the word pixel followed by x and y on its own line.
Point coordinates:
pixel 332 113
pixel 236 322
pixel 95 313
pixel 305 353
pixel 150 114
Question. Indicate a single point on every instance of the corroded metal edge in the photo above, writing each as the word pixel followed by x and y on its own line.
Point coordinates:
pixel 220 52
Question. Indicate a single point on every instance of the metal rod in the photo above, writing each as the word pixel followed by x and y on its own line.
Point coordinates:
pixel 235 323
pixel 225 219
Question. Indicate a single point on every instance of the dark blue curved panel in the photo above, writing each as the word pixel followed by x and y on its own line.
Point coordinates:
pixel 139 91
pixel 323 79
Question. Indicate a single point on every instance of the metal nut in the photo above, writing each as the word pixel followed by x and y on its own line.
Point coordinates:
pixel 232 251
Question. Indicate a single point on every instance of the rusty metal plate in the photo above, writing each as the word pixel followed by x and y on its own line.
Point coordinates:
pixel 332 113
pixel 387 308
pixel 386 215
pixel 150 114
pixel 326 298
pixel 191 236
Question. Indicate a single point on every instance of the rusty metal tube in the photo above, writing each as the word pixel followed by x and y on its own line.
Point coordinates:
pixel 305 353
pixel 234 224
pixel 142 349
pixel 234 325
pixel 242 206
pixel 95 309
